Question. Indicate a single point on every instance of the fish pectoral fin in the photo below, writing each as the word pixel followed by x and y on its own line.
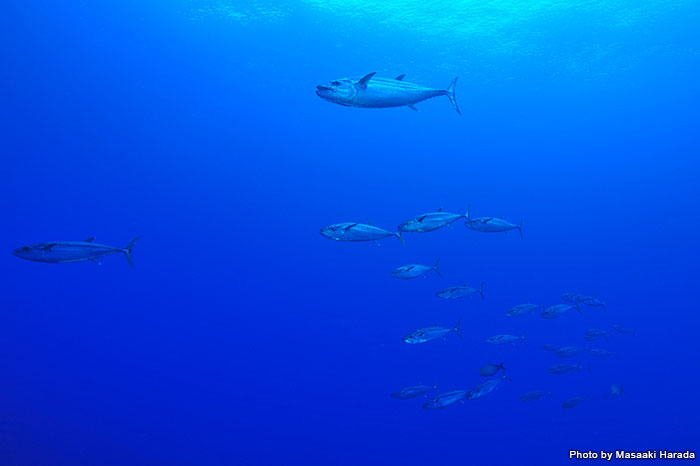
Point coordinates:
pixel 351 226
pixel 47 247
pixel 90 239
pixel 377 242
pixel 95 261
pixel 400 77
pixel 412 107
pixel 365 79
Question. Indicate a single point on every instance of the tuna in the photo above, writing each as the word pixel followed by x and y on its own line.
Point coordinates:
pixel 557 311
pixel 492 225
pixel 372 92
pixel 484 388
pixel 623 329
pixel 521 310
pixel 569 351
pixel 600 352
pixel 407 272
pixel 413 392
pixel 357 232
pixel 533 395
pixel 491 369
pixel 571 402
pixel 429 222
pixel 548 347
pixel 456 292
pixel 504 339
pixel 430 333
pixel 576 298
pixel 566 368
pixel 60 252
pixel 446 399
pixel 595 334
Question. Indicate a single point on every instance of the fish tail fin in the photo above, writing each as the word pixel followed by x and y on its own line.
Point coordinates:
pixel 398 235
pixel 578 308
pixel 128 249
pixel 450 93
pixel 466 215
pixel 481 290
pixel 436 267
pixel 503 368
pixel 520 228
pixel 456 329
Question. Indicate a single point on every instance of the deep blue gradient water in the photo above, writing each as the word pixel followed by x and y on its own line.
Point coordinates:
pixel 242 336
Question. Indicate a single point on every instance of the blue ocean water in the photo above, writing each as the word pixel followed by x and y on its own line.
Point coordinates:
pixel 242 336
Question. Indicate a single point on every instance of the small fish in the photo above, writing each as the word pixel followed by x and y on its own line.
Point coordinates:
pixel 491 224
pixel 556 311
pixel 455 292
pixel 601 353
pixel 491 369
pixel 60 252
pixel 372 92
pixel 446 399
pixel 430 333
pixel 533 395
pixel 623 329
pixel 595 334
pixel 429 222
pixel 566 368
pixel 616 390
pixel 548 347
pixel 593 302
pixel 407 272
pixel 571 402
pixel 568 351
pixel 521 310
pixel 357 232
pixel 413 392
pixel 484 388
pixel 504 339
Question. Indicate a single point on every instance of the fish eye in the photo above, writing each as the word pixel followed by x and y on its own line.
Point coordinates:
pixel 335 83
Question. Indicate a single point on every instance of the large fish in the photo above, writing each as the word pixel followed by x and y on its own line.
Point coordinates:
pixel 556 311
pixel 569 351
pixel 371 92
pixel 423 335
pixel 456 292
pixel 357 232
pixel 492 224
pixel 521 310
pixel 407 272
pixel 446 399
pixel 491 369
pixel 413 392
pixel 429 222
pixel 484 388
pixel 59 252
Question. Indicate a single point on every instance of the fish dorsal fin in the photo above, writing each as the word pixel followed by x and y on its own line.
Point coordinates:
pixel 90 239
pixel 351 226
pixel 363 82
pixel 400 77
pixel 440 209
pixel 48 246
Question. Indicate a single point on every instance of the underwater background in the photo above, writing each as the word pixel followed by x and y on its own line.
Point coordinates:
pixel 242 336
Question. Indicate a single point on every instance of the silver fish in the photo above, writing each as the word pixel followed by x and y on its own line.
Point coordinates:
pixel 533 395
pixel 429 222
pixel 568 351
pixel 407 272
pixel 521 310
pixel 553 312
pixel 60 252
pixel 430 333
pixel 413 392
pixel 600 352
pixel 566 368
pixel 623 329
pixel 357 232
pixel 491 369
pixel 571 298
pixel 372 92
pixel 455 292
pixel 491 224
pixel 504 339
pixel 446 399
pixel 548 347
pixel 571 402
pixel 484 388
pixel 593 302
pixel 576 298
pixel 595 334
